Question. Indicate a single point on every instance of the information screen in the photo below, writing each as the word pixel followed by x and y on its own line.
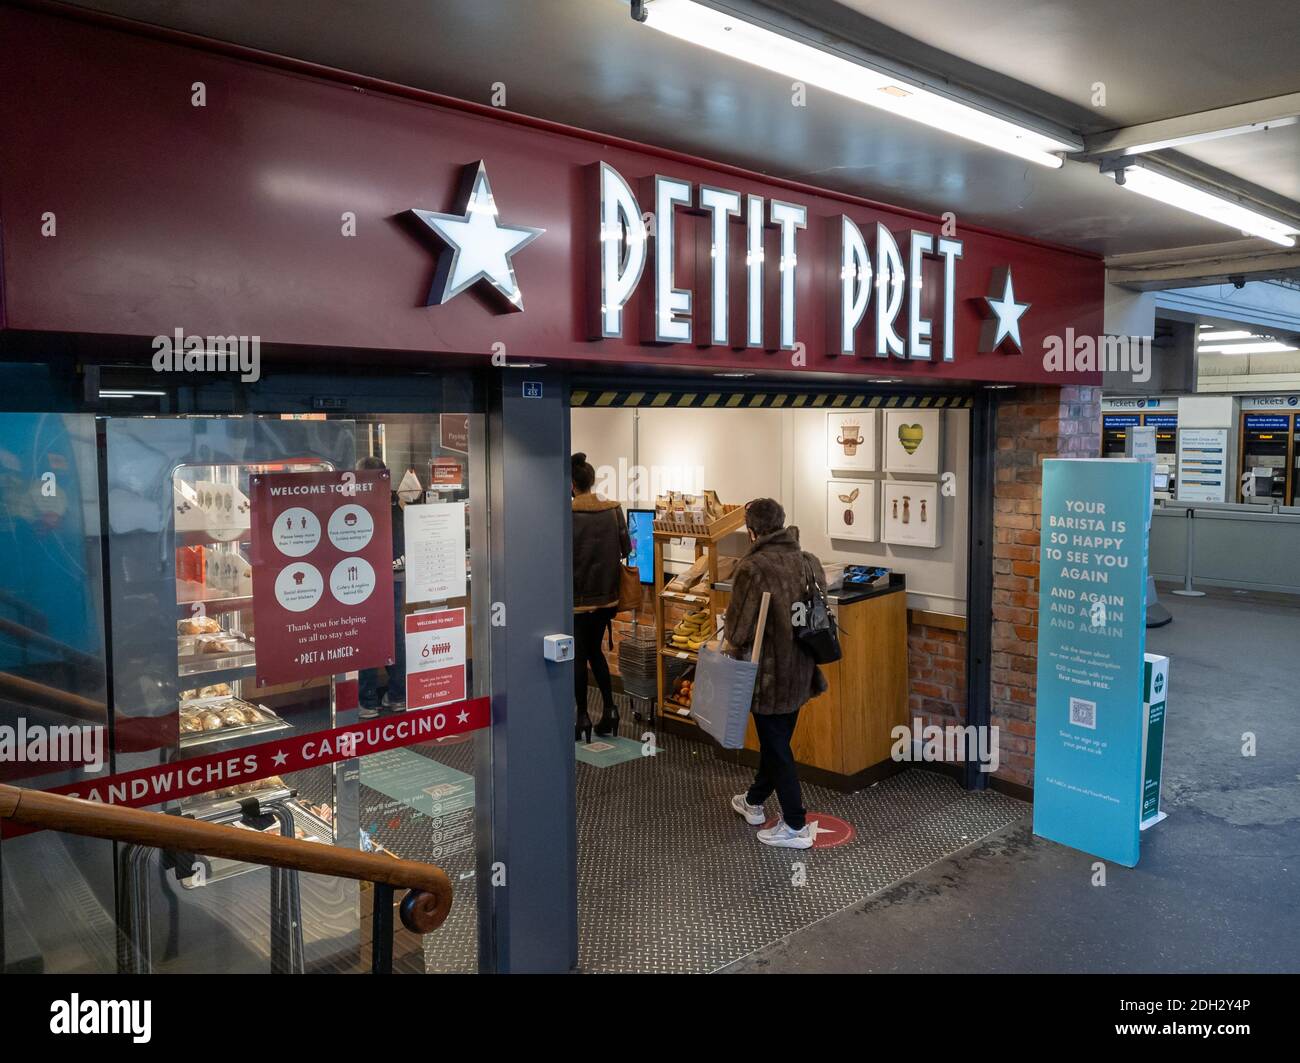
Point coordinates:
pixel 641 526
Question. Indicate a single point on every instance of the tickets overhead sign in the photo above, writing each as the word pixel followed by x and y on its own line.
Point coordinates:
pixel 322 556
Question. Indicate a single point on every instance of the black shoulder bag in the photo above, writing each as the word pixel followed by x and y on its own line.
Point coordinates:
pixel 818 634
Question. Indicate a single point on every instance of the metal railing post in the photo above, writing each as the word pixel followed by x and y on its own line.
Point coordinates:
pixel 1187 590
pixel 381 930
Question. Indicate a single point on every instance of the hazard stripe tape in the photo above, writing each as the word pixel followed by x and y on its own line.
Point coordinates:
pixel 765 399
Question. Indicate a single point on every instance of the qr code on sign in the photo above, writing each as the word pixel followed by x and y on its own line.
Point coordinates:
pixel 1083 713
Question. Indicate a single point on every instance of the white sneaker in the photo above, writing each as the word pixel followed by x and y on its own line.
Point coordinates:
pixel 753 814
pixel 784 837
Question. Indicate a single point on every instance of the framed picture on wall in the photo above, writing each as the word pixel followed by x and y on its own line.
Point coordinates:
pixel 913 440
pixel 851 440
pixel 910 514
pixel 851 510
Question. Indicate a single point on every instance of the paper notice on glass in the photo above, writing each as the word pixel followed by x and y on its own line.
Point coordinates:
pixel 435 551
pixel 435 658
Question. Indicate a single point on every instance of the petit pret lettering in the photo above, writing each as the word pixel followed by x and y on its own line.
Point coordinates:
pixel 743 295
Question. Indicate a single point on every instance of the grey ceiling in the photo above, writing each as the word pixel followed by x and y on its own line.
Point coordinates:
pixel 584 62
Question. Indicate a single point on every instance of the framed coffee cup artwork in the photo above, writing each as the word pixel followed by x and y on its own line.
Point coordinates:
pixel 913 440
pixel 851 510
pixel 851 440
pixel 909 514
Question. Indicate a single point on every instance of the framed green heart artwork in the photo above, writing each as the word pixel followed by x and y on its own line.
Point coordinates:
pixel 913 440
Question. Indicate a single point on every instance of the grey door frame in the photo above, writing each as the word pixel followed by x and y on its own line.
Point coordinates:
pixel 528 850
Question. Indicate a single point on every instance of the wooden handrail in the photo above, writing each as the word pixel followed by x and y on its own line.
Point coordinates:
pixel 423 909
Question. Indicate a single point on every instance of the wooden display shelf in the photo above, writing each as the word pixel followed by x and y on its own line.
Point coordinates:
pixel 732 518
pixel 688 599
pixel 706 538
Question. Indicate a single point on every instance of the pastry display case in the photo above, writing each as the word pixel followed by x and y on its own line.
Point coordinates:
pixel 185 654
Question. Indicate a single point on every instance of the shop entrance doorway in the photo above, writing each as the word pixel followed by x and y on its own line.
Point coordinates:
pixel 877 483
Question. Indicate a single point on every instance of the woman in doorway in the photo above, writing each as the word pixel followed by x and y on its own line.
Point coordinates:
pixel 787 675
pixel 600 542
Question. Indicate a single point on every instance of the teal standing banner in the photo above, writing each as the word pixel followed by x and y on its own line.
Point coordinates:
pixel 1088 764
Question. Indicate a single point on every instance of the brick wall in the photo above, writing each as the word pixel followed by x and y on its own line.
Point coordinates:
pixel 1033 424
pixel 936 662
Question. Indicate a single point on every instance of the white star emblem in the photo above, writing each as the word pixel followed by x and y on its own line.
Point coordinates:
pixel 480 246
pixel 1005 322
pixel 815 826
pixel 462 716
pixel 280 759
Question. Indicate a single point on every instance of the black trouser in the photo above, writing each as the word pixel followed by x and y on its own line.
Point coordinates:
pixel 588 629
pixel 776 770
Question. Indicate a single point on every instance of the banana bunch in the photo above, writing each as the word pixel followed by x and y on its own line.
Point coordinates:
pixel 694 630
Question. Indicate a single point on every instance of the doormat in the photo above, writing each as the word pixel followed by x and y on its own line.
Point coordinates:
pixel 606 752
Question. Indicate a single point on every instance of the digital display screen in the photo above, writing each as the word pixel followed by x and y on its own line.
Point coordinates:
pixel 640 527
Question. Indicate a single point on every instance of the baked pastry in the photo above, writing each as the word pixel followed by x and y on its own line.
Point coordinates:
pixel 190 724
pixel 211 721
pixel 216 690
pixel 197 625
pixel 234 716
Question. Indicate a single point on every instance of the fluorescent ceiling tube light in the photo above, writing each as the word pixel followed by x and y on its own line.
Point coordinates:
pixel 1261 347
pixel 1139 176
pixel 1209 134
pixel 1220 336
pixel 700 24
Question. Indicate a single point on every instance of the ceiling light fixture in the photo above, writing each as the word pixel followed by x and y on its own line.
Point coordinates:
pixel 855 79
pixel 1219 336
pixel 1259 347
pixel 1149 179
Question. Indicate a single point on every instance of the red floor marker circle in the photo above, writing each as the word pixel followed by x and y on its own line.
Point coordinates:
pixel 828 831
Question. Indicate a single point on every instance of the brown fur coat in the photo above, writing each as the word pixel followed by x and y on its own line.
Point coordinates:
pixel 787 676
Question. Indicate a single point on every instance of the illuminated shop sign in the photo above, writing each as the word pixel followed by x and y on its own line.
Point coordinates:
pixel 739 286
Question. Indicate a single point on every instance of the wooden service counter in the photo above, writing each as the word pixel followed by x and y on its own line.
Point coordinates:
pixel 843 737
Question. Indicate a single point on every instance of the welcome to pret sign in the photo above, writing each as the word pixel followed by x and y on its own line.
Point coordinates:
pixel 322 573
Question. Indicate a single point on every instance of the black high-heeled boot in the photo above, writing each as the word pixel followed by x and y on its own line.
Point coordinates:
pixel 582 726
pixel 608 722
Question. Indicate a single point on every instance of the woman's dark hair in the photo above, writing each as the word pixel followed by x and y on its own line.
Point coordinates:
pixel 583 474
pixel 764 516
pixel 370 461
